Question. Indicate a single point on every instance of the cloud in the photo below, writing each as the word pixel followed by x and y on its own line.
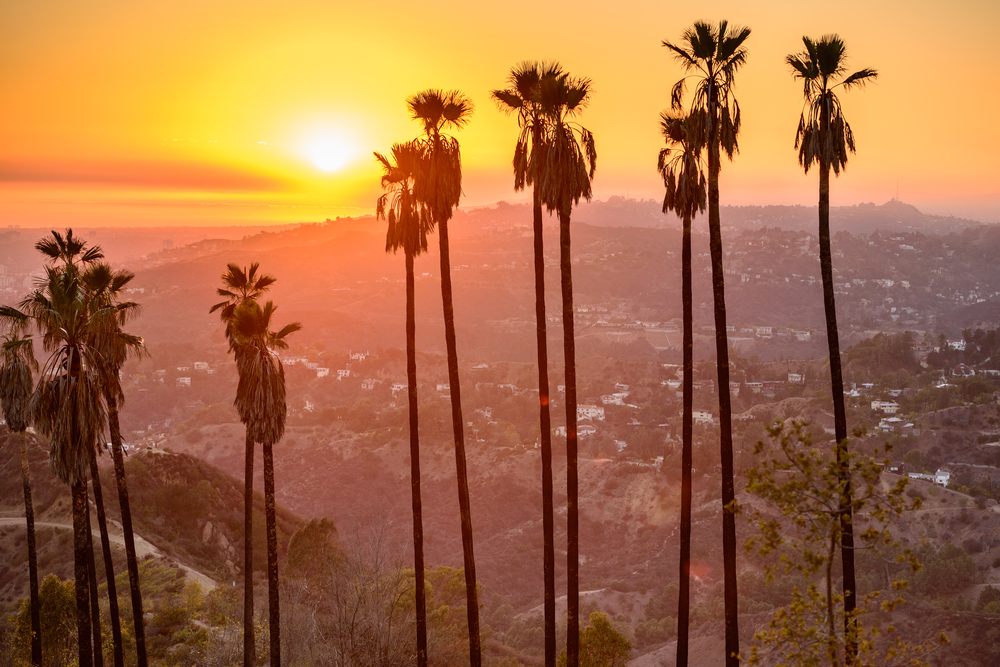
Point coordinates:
pixel 167 175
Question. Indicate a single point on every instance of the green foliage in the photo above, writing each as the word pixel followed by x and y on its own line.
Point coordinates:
pixel 989 597
pixel 945 571
pixel 57 602
pixel 882 354
pixel 312 550
pixel 601 645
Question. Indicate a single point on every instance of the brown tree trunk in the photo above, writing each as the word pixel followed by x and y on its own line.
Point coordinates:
pixel 572 482
pixel 837 386
pixel 126 512
pixel 273 609
pixel 418 522
pixel 725 405
pixel 95 607
pixel 109 565
pixel 29 518
pixel 545 425
pixel 249 650
pixel 81 528
pixel 684 592
pixel 472 596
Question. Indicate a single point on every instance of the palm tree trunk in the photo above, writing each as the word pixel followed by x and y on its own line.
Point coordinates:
pixel 545 425
pixel 109 565
pixel 725 404
pixel 29 518
pixel 273 610
pixel 249 651
pixel 572 482
pixel 839 412
pixel 81 527
pixel 95 607
pixel 472 598
pixel 418 522
pixel 684 593
pixel 126 513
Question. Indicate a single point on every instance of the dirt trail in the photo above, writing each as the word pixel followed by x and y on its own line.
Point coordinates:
pixel 143 547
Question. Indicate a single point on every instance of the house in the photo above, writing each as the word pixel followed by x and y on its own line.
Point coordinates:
pixel 803 336
pixel 763 332
pixel 941 477
pixel 590 412
pixel 322 372
pixel 343 373
pixel 397 387
pixel 796 378
pixel 201 365
pixel 444 387
pixel 367 384
pixel 702 417
pixel 183 382
pixel 755 387
pixel 962 371
pixel 585 430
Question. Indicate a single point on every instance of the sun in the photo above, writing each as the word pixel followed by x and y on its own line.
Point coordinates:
pixel 329 153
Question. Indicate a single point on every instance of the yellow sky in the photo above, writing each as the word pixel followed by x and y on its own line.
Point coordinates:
pixel 192 111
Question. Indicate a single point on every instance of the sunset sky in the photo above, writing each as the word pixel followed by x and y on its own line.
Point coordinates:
pixel 233 112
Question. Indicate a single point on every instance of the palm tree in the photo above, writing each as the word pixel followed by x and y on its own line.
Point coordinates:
pixel 522 96
pixel 408 228
pixel 260 402
pixel 242 286
pixel 568 158
pixel 16 365
pixel 714 54
pixel 824 138
pixel 438 188
pixel 104 287
pixel 684 179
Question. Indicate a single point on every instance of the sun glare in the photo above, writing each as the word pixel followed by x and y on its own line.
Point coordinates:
pixel 329 153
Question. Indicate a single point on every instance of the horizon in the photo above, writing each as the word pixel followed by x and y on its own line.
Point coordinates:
pixel 240 113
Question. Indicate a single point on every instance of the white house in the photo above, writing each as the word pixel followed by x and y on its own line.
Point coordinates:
pixel 702 416
pixel 590 412
pixel 183 382
pixel 322 372
pixel 201 365
pixel 367 384
pixel 343 373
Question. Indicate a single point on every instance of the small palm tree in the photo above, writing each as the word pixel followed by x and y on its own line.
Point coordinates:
pixel 714 54
pixel 242 286
pixel 523 98
pixel 408 228
pixel 824 138
pixel 568 158
pixel 16 385
pixel 438 188
pixel 684 179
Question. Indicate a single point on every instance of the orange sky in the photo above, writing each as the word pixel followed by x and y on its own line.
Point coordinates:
pixel 219 111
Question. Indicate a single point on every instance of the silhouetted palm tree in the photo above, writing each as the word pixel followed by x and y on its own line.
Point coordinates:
pixel 105 287
pixel 242 286
pixel 824 138
pixel 684 178
pixel 260 402
pixel 522 96
pixel 16 365
pixel 714 54
pixel 568 160
pixel 438 187
pixel 408 228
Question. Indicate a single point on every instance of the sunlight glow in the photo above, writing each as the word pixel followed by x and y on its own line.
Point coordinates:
pixel 330 152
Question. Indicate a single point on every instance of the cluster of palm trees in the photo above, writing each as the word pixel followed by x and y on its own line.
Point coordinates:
pixel 77 311
pixel 260 403
pixel 713 54
pixel 557 157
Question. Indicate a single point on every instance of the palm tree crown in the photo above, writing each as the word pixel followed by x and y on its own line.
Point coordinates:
pixel 439 183
pixel 16 364
pixel 680 163
pixel 568 156
pixel 239 286
pixel 409 222
pixel 715 54
pixel 821 68
pixel 68 249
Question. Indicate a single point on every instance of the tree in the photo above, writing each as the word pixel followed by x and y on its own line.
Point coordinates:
pixel 242 286
pixel 16 365
pixel 438 188
pixel 601 645
pixel 408 227
pixel 823 138
pixel 523 97
pixel 714 54
pixel 56 609
pixel 569 158
pixel 260 402
pixel 106 287
pixel 684 179
pixel 803 489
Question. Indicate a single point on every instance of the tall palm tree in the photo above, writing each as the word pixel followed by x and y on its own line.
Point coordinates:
pixel 241 286
pixel 522 97
pixel 408 228
pixel 438 187
pixel 680 165
pixel 260 402
pixel 568 159
pixel 16 365
pixel 713 54
pixel 106 287
pixel 824 138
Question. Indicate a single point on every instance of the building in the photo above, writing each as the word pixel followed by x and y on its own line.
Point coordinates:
pixel 590 412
